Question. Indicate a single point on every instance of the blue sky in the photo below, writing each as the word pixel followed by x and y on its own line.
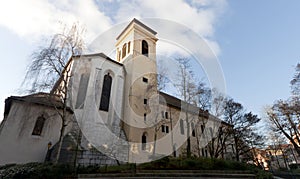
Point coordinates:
pixel 256 42
pixel 260 42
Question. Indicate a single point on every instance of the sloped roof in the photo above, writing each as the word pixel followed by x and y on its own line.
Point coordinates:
pixel 38 98
pixel 139 23
pixel 175 102
pixel 179 104
pixel 101 55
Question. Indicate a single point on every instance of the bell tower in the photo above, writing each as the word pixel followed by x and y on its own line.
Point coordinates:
pixel 136 50
pixel 136 39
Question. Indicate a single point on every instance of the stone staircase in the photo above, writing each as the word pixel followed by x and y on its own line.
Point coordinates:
pixel 173 174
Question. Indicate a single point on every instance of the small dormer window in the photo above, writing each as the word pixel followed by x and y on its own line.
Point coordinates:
pixel 145 48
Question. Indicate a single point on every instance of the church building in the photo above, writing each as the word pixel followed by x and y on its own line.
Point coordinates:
pixel 116 112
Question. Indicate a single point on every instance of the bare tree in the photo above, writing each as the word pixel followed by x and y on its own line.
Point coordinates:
pixel 295 82
pixel 276 148
pixel 187 90
pixel 217 103
pixel 204 95
pixel 213 101
pixel 219 142
pixel 161 78
pixel 243 132
pixel 158 83
pixel 49 71
pixel 285 114
pixel 285 117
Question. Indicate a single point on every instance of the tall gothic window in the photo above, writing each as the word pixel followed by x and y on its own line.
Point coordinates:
pixel 193 130
pixel 202 128
pixel 144 141
pixel 181 127
pixel 83 84
pixel 211 132
pixel 145 48
pixel 105 95
pixel 162 128
pixel 38 127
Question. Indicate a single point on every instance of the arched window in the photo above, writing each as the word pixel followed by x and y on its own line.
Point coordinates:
pixel 181 127
pixel 144 141
pixel 211 132
pixel 83 84
pixel 119 55
pixel 105 95
pixel 202 128
pixel 128 47
pixel 124 51
pixel 174 150
pixel 193 130
pixel 145 48
pixel 38 127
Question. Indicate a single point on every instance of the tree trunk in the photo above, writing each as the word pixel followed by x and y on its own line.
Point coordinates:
pixel 60 141
pixel 188 146
pixel 237 156
pixel 63 119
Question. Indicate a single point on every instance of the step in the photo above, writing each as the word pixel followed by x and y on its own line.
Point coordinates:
pixel 172 174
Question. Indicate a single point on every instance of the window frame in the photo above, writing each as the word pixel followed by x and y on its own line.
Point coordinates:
pixel 163 128
pixel 145 80
pixel 124 51
pixel 38 126
pixel 181 122
pixel 167 129
pixel 166 115
pixel 145 48
pixel 106 93
pixel 144 141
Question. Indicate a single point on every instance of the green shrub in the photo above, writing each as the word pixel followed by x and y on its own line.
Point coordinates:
pixel 117 168
pixel 37 170
pixel 48 170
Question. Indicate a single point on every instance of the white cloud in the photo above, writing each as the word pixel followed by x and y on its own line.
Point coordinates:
pixel 199 15
pixel 31 19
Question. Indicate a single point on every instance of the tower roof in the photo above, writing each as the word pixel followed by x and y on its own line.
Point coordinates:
pixel 139 23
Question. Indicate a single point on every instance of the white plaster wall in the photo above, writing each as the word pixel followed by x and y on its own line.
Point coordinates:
pixel 98 67
pixel 17 144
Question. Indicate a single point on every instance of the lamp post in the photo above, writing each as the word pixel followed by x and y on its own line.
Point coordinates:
pixel 49 145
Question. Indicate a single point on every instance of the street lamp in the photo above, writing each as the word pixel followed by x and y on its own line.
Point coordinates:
pixel 48 152
pixel 49 145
